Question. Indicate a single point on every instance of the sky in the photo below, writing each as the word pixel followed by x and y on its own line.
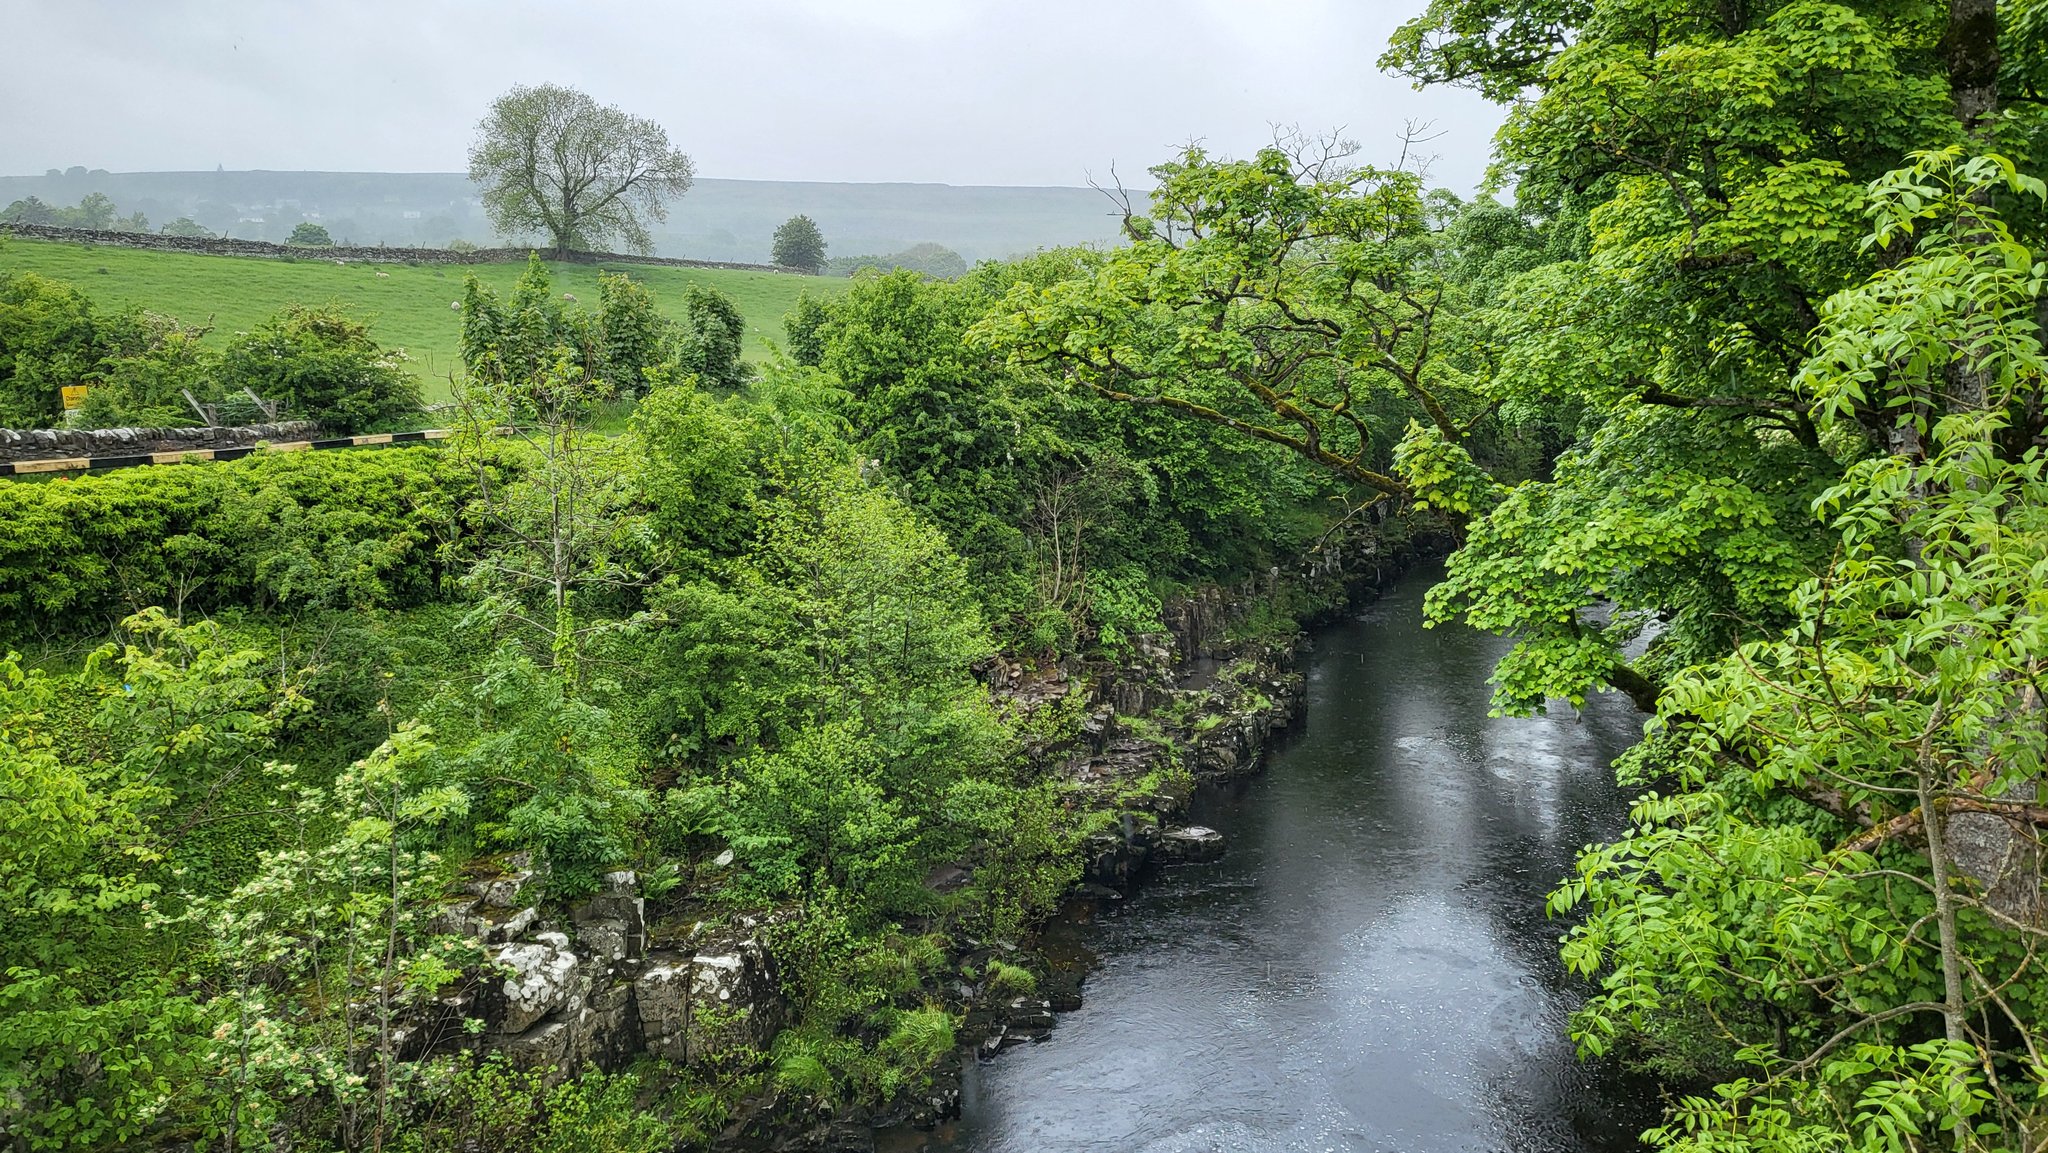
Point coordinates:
pixel 1031 92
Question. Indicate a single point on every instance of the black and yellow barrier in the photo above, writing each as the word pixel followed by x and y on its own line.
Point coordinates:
pixel 180 456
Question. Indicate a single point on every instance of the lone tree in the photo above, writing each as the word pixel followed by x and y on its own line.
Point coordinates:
pixel 310 235
pixel 799 244
pixel 552 159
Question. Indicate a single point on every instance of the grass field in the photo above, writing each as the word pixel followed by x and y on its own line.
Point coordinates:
pixel 407 307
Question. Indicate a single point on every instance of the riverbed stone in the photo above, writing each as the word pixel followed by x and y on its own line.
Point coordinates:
pixel 991 1044
pixel 1190 844
pixel 1029 1014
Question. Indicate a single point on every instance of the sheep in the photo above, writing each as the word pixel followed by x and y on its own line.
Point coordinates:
pixel 455 306
pixel 569 296
pixel 383 276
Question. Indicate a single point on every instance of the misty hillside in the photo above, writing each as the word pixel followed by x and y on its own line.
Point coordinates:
pixel 718 220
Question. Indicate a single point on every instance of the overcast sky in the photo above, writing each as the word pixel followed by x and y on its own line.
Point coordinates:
pixel 953 91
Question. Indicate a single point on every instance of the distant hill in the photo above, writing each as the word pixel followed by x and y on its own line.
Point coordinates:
pixel 718 220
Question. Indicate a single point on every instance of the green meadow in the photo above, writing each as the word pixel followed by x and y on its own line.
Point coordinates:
pixel 406 305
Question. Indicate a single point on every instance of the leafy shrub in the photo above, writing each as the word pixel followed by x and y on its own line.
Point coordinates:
pixel 801 329
pixel 493 1106
pixel 636 337
pixel 712 333
pixel 143 379
pixel 596 1113
pixel 1124 607
pixel 49 338
pixel 549 769
pixel 622 346
pixel 323 366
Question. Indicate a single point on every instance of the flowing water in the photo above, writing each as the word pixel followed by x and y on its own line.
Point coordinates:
pixel 1369 968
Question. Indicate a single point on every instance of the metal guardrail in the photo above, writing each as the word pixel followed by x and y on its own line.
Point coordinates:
pixel 181 456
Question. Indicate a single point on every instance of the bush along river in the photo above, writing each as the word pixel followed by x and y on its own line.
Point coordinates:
pixel 1368 966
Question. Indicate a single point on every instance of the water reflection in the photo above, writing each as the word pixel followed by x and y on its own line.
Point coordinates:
pixel 1369 968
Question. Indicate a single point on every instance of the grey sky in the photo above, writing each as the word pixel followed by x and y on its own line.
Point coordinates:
pixel 954 91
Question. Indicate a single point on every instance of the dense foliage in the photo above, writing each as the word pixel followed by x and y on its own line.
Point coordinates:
pixel 269 532
pixel 1772 303
pixel 323 366
pixel 1847 873
pixel 1770 309
pixel 48 340
pixel 619 348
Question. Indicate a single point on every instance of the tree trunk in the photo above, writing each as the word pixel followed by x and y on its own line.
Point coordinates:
pixel 1971 46
pixel 1935 823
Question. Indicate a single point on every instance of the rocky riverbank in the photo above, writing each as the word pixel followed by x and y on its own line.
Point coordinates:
pixel 1199 706
pixel 600 983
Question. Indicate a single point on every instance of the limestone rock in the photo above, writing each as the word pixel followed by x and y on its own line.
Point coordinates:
pixel 545 1046
pixel 723 991
pixel 459 918
pixel 509 928
pixel 612 925
pixel 542 978
pixel 504 890
pixel 662 995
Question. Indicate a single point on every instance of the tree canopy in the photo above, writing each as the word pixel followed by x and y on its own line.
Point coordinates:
pixel 552 160
pixel 799 244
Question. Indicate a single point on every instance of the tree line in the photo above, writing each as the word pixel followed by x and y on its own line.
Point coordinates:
pixel 96 210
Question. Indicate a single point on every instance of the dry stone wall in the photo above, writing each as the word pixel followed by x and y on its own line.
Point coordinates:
pixel 44 443
pixel 351 254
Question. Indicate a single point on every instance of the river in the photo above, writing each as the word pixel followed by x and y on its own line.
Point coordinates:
pixel 1370 967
